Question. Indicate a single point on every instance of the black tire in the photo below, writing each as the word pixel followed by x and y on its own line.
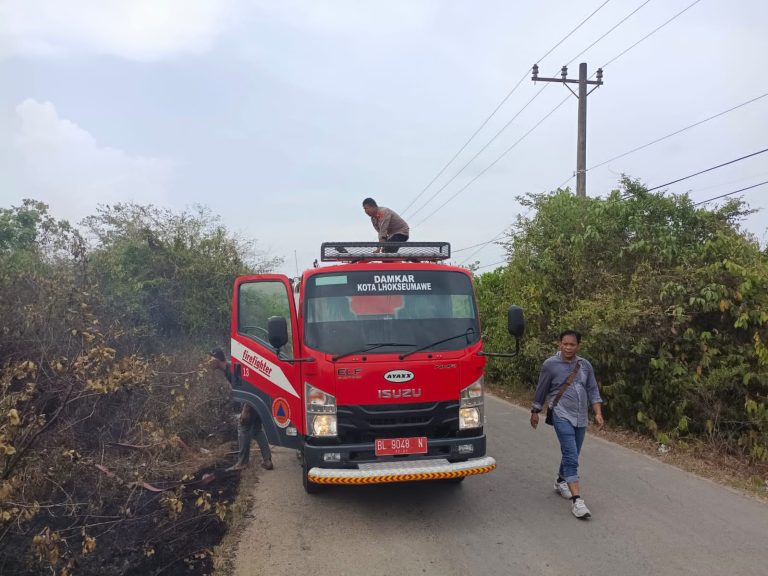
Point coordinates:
pixel 309 487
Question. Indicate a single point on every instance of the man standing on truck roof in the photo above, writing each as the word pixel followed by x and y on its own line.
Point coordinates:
pixel 387 223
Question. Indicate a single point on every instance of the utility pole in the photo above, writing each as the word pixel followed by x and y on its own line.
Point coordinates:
pixel 581 141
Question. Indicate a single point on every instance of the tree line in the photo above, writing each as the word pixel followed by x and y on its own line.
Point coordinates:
pixel 672 300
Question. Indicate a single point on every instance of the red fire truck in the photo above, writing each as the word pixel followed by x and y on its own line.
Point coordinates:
pixel 371 368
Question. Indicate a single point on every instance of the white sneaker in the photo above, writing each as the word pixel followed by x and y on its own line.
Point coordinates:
pixel 562 489
pixel 580 509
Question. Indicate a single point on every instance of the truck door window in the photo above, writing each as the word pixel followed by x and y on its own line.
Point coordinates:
pixel 257 302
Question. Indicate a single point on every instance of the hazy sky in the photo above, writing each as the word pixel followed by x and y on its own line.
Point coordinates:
pixel 283 115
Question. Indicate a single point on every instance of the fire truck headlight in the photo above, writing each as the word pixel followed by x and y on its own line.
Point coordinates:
pixel 324 425
pixel 321 411
pixel 469 418
pixel 472 395
pixel 318 401
pixel 471 406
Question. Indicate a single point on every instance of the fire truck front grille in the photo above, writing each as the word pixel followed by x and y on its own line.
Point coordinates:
pixel 367 423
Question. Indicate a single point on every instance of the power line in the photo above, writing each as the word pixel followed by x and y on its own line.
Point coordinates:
pixel 560 104
pixel 676 132
pixel 581 139
pixel 475 133
pixel 503 128
pixel 497 237
pixel 565 181
pixel 696 204
pixel 734 181
pixel 503 230
pixel 571 32
pixel 731 193
pixel 503 101
pixel 489 265
pixel 619 23
pixel 651 33
pixel 625 51
pixel 492 164
pixel 469 258
pixel 483 244
pixel 444 186
pixel 708 169
pixel 553 110
pixel 581 180
pixel 479 244
pixel 620 54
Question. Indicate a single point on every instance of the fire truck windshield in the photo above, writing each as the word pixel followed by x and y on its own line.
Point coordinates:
pixel 418 308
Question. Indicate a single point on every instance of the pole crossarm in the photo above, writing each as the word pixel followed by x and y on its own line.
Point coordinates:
pixel 564 77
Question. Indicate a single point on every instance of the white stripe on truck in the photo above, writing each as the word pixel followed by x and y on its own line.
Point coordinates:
pixel 262 366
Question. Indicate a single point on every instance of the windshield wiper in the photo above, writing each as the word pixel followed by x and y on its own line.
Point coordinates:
pixel 468 333
pixel 370 347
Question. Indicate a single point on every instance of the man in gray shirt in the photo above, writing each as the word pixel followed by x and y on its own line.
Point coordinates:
pixel 387 223
pixel 569 416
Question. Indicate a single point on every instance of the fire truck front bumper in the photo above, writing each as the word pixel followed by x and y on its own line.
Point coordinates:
pixel 402 471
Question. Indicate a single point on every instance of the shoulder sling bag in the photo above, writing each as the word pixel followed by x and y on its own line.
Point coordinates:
pixel 563 388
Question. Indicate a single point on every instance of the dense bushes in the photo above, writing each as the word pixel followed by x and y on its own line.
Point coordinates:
pixel 171 273
pixel 672 300
pixel 103 390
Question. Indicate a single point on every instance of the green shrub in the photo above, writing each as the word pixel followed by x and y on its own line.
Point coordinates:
pixel 672 300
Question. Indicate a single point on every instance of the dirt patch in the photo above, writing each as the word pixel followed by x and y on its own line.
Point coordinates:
pixel 692 455
pixel 241 515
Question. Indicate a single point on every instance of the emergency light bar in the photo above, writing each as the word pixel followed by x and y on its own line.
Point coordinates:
pixel 384 251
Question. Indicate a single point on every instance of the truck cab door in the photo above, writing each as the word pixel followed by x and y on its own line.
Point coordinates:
pixel 261 375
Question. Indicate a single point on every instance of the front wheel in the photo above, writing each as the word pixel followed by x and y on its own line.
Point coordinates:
pixel 309 487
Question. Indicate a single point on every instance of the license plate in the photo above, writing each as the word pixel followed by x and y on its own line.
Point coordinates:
pixel 392 446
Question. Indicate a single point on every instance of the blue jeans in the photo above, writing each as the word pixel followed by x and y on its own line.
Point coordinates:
pixel 571 438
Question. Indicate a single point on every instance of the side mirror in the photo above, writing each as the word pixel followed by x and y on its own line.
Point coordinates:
pixel 516 327
pixel 277 328
pixel 515 321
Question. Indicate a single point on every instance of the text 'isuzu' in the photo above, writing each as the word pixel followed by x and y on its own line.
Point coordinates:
pixel 371 367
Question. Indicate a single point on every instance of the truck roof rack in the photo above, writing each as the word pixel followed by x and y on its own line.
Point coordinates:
pixel 384 251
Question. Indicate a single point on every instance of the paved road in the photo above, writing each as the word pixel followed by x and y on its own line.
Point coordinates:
pixel 648 518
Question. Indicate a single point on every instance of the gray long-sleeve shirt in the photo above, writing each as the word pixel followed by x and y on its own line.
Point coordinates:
pixel 580 395
pixel 388 223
